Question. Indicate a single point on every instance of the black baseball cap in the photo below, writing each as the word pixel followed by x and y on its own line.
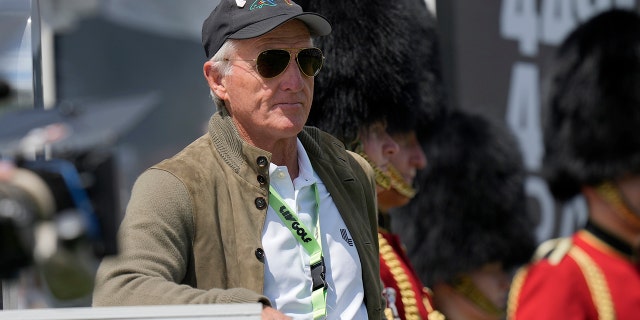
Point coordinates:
pixel 245 19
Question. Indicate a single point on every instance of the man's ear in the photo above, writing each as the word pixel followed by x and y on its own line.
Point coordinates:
pixel 214 79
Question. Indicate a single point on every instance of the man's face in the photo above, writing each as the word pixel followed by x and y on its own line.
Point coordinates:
pixel 378 145
pixel 267 110
pixel 410 157
pixel 408 160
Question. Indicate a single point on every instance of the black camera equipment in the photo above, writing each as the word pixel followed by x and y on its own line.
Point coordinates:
pixel 59 204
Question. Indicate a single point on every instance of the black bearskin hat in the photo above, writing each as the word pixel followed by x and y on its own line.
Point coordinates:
pixel 471 208
pixel 382 63
pixel 593 108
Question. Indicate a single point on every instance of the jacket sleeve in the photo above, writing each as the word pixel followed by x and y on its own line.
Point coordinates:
pixel 155 247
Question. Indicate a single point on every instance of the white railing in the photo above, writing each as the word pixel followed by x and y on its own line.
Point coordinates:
pixel 176 312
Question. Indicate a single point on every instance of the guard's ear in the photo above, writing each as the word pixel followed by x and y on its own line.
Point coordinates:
pixel 214 79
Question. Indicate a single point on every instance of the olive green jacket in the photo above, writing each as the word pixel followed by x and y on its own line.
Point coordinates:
pixel 192 230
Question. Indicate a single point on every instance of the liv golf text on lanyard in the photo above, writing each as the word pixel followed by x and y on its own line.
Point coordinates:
pixel 310 244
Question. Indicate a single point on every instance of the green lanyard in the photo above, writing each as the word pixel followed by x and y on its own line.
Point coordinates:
pixel 310 244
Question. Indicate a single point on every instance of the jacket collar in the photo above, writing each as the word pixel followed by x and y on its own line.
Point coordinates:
pixel 235 151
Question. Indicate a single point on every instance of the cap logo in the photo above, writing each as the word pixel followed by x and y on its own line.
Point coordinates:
pixel 241 3
pixel 258 4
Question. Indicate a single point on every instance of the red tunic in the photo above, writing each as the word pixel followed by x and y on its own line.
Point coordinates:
pixel 561 291
pixel 406 297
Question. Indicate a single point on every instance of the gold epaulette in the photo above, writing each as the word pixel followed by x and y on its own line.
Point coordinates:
pixel 553 250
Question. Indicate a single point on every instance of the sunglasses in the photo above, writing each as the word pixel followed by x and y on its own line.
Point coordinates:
pixel 271 63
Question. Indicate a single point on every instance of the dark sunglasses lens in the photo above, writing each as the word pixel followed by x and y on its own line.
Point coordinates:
pixel 271 63
pixel 310 61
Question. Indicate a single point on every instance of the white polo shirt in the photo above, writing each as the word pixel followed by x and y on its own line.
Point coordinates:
pixel 287 275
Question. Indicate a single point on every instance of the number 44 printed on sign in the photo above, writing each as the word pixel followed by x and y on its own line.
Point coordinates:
pixel 520 21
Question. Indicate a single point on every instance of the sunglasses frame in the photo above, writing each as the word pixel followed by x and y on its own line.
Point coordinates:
pixel 291 53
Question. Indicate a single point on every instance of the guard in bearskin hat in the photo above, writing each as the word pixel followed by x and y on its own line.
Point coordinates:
pixel 592 149
pixel 468 226
pixel 381 64
pixel 379 88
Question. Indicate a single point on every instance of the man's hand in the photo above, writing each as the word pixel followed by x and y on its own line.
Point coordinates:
pixel 7 170
pixel 269 313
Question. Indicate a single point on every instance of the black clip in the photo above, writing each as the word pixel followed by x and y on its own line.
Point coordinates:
pixel 318 275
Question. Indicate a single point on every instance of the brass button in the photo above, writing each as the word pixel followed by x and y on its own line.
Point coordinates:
pixel 261 203
pixel 260 254
pixel 262 161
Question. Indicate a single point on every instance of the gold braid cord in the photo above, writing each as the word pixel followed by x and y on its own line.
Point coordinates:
pixel 433 314
pixel 514 293
pixel 388 314
pixel 407 295
pixel 390 179
pixel 467 288
pixel 612 195
pixel 398 183
pixel 596 282
pixel 382 178
pixel 436 315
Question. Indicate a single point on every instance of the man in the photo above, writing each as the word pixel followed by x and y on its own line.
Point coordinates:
pixel 468 228
pixel 592 148
pixel 380 87
pixel 414 300
pixel 261 208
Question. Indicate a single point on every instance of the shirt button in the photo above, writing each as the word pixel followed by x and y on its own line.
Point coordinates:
pixel 281 175
pixel 260 254
pixel 262 180
pixel 260 203
pixel 262 161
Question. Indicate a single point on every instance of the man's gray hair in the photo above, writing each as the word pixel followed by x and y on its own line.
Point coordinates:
pixel 222 66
